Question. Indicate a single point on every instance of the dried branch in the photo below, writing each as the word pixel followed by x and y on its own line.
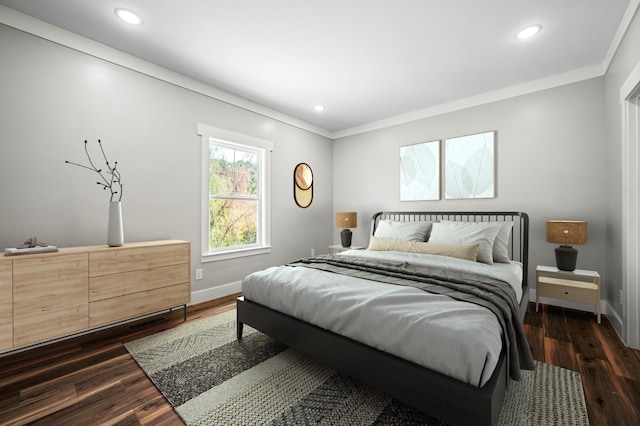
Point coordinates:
pixel 111 178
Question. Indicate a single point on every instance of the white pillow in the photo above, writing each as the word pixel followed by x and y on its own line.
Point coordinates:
pixel 467 233
pixel 406 231
pixel 501 243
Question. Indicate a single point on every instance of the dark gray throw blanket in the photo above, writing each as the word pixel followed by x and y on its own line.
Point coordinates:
pixel 493 294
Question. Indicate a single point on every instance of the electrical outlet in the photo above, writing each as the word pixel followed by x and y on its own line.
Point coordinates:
pixel 198 274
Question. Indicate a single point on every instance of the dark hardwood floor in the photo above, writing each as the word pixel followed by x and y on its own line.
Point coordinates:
pixel 92 380
pixel 610 371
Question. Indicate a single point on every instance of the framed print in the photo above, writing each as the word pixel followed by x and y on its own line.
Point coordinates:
pixel 420 171
pixel 470 166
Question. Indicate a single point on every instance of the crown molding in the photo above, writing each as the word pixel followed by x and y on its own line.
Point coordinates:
pixel 46 31
pixel 485 98
pixel 632 8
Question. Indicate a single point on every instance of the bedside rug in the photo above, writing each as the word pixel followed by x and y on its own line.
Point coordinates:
pixel 212 379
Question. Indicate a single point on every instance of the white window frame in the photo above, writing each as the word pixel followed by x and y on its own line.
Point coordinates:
pixel 250 143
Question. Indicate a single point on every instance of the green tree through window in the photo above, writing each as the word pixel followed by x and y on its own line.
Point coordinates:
pixel 233 196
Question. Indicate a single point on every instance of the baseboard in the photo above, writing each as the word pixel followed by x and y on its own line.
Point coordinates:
pixel 215 292
pixel 614 318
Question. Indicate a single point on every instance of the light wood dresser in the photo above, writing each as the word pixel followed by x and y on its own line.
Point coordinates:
pixel 51 295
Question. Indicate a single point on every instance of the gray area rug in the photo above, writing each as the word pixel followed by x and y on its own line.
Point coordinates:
pixel 212 379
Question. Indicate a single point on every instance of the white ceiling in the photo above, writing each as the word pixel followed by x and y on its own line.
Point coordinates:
pixel 366 60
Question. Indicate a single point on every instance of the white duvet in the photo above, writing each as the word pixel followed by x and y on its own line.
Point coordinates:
pixel 458 339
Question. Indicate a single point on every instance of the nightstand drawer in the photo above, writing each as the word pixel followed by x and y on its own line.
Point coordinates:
pixel 570 293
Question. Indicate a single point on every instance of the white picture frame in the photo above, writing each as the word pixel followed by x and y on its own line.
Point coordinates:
pixel 469 165
pixel 420 171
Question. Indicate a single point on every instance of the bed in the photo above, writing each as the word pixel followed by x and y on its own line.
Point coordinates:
pixel 468 385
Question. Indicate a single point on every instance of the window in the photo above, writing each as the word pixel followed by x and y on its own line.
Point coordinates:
pixel 235 194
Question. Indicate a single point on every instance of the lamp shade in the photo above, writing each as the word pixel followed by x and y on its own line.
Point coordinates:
pixel 346 220
pixel 567 232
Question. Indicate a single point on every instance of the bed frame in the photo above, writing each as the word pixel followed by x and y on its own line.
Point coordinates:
pixel 438 395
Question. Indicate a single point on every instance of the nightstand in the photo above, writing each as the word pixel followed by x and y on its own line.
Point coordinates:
pixel 580 286
pixel 337 248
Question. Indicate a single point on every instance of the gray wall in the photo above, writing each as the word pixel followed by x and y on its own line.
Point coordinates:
pixel 53 98
pixel 625 59
pixel 550 164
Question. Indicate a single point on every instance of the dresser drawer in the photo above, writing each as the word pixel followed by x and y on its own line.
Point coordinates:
pixel 6 306
pixel 115 309
pixel 6 288
pixel 137 258
pixel 6 331
pixel 50 297
pixel 107 286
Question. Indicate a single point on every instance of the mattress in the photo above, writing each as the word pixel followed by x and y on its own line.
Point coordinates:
pixel 459 339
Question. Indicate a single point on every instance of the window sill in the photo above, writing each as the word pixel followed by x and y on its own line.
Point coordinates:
pixel 234 254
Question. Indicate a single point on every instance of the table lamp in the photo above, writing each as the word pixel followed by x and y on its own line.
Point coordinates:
pixel 566 233
pixel 346 220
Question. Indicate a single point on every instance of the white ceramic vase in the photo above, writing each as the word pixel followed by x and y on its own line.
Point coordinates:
pixel 115 233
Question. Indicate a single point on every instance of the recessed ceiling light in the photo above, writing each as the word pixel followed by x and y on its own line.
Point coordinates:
pixel 319 108
pixel 528 32
pixel 128 16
